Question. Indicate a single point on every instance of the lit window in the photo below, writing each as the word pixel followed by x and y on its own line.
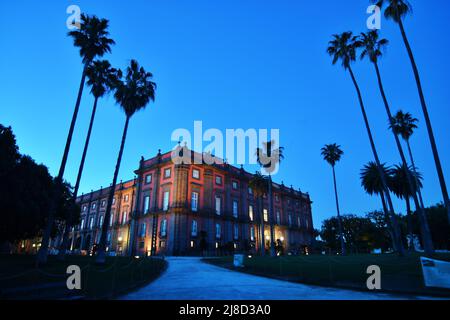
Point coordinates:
pixel 103 203
pixel 162 244
pixel 124 217
pixel 192 244
pixel 148 179
pixel 250 213
pixel 166 200
pixel 278 217
pixel 84 208
pixel 235 208
pixel 235 185
pixel 218 180
pixel 194 228
pixel 163 228
pixel 82 224
pixel 194 201
pixel 91 223
pixel 236 232
pixel 218 204
pixel 146 204
pixel 126 198
pixel 100 221
pixel 252 233
pixel 167 173
pixel 266 215
pixel 114 201
pixel 143 229
pixel 196 174
pixel 94 205
pixel 218 231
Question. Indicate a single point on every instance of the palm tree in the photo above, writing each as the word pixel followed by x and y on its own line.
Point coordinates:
pixel 133 94
pixel 372 48
pixel 404 125
pixel 332 154
pixel 343 48
pixel 268 158
pixel 372 184
pixel 401 188
pixel 93 40
pixel 397 10
pixel 101 78
pixel 258 183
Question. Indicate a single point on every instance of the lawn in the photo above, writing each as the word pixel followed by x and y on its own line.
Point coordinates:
pixel 398 274
pixel 19 279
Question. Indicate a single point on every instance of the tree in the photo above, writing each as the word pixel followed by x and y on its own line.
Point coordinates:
pixel 269 157
pixel 397 10
pixel 401 188
pixel 258 183
pixel 332 154
pixel 132 93
pixel 372 184
pixel 93 41
pixel 101 78
pixel 372 49
pixel 343 48
pixel 404 125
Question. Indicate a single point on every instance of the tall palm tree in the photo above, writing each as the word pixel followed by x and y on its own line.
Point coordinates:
pixel 92 38
pixel 133 94
pixel 258 183
pixel 401 188
pixel 343 48
pixel 332 154
pixel 404 125
pixel 372 184
pixel 269 157
pixel 397 10
pixel 101 78
pixel 372 48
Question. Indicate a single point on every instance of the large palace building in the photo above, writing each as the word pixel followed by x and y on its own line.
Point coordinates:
pixel 184 209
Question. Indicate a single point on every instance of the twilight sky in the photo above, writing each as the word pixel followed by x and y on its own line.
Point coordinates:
pixel 231 64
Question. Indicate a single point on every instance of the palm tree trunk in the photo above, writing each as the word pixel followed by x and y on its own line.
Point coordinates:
pixel 410 226
pixel 393 218
pixel 41 257
pixel 101 254
pixel 424 228
pixel 437 161
pixel 341 235
pixel 271 220
pixel 261 231
pixel 415 173
pixel 388 221
pixel 65 240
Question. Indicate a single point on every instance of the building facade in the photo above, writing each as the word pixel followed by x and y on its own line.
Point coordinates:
pixel 186 209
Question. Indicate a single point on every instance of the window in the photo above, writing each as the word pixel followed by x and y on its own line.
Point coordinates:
pixel 163 228
pixel 278 217
pixel 114 200
pixel 146 204
pixel 250 213
pixel 252 233
pixel 290 220
pixel 91 223
pixel 84 208
pixel 162 244
pixel 218 231
pixel 307 223
pixel 94 205
pixel 124 217
pixel 196 174
pixel 167 173
pixel 103 203
pixel 298 222
pixel 194 201
pixel 218 204
pixel 234 185
pixel 218 180
pixel 194 228
pixel 236 232
pixel 148 179
pixel 166 200
pixel 82 224
pixel 143 229
pixel 277 198
pixel 266 215
pixel 235 208
pixel 100 221
pixel 250 191
pixel 108 236
pixel 111 219
pixel 126 198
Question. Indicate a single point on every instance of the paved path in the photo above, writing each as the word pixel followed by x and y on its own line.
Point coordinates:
pixel 190 279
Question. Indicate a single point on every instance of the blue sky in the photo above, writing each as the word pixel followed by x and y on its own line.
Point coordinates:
pixel 231 64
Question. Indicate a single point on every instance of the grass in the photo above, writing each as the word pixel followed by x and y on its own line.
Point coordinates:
pixel 398 274
pixel 19 279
